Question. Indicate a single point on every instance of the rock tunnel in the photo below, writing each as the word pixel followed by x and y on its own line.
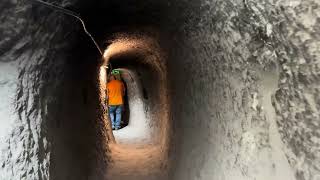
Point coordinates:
pixel 218 89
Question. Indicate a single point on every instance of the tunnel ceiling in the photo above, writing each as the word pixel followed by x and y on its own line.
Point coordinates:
pixel 107 17
pixel 125 60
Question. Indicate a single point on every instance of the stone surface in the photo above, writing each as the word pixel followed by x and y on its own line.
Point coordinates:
pixel 237 57
pixel 47 128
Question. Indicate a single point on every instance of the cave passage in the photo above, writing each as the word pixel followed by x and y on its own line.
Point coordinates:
pixel 216 89
pixel 143 142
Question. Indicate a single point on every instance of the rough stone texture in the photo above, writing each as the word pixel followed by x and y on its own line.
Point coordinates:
pixel 238 54
pixel 48 119
pixel 297 100
pixel 243 82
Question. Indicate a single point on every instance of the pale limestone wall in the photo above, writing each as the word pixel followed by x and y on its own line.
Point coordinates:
pixel 47 129
pixel 235 59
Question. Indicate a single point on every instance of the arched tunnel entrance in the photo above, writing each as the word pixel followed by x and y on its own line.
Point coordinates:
pixel 144 72
pixel 217 89
pixel 143 142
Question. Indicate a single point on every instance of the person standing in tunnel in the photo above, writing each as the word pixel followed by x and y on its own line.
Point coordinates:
pixel 116 91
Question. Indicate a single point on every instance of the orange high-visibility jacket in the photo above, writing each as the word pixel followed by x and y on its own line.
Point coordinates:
pixel 115 92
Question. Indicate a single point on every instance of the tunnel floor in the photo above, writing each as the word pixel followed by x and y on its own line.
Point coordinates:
pixel 135 162
pixel 134 156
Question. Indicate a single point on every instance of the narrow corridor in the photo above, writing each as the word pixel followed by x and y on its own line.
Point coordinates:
pixel 217 89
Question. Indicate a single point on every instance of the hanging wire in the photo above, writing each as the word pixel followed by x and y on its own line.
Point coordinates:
pixel 73 14
pixel 77 16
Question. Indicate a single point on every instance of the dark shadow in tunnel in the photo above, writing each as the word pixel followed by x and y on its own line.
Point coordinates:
pixel 144 90
pixel 126 111
pixel 73 121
